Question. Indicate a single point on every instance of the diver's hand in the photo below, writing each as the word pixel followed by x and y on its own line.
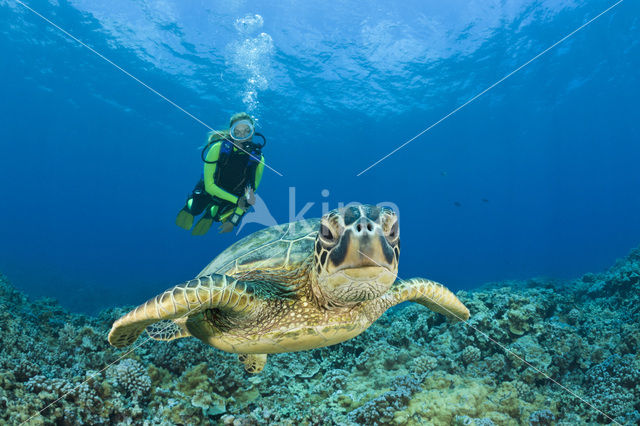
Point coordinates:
pixel 250 196
pixel 242 203
pixel 225 227
pixel 247 200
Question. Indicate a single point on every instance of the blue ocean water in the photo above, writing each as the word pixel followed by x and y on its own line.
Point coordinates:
pixel 538 176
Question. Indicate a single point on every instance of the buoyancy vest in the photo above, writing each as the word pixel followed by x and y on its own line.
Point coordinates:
pixel 236 169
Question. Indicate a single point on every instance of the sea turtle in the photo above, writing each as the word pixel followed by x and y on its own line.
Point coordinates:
pixel 291 287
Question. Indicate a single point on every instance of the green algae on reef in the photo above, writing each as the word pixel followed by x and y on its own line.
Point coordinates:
pixel 411 367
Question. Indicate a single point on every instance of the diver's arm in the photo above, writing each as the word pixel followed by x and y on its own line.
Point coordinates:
pixel 259 171
pixel 237 215
pixel 240 210
pixel 210 172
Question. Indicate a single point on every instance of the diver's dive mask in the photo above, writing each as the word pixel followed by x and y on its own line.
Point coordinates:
pixel 242 130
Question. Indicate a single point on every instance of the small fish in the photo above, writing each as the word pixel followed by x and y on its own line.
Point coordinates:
pixel 443 173
pixel 457 204
pixel 484 200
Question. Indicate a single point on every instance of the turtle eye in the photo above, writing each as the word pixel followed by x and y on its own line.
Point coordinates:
pixel 326 234
pixel 393 232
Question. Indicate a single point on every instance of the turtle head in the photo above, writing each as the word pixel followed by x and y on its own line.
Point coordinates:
pixel 356 254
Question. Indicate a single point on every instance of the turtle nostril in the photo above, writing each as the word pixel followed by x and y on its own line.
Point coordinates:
pixel 358 227
pixel 369 227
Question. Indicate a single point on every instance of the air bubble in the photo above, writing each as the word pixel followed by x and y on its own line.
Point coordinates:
pixel 249 23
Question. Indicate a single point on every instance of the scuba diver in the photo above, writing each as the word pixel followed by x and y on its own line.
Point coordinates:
pixel 233 166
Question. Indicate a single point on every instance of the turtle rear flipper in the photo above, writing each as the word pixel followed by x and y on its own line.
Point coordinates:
pixel 253 363
pixel 182 301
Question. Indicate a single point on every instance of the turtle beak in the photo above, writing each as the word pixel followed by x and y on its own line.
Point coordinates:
pixel 363 245
pixel 362 262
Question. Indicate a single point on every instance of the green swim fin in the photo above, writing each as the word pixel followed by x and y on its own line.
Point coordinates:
pixel 203 225
pixel 184 219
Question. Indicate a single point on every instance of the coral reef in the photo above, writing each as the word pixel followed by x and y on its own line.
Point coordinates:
pixel 131 377
pixel 410 367
pixel 541 418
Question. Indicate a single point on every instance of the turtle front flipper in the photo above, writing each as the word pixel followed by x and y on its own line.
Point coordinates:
pixel 431 294
pixel 187 299
pixel 167 330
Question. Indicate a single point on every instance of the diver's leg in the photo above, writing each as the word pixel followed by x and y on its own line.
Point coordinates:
pixel 196 203
pixel 225 212
pixel 224 209
pixel 203 225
